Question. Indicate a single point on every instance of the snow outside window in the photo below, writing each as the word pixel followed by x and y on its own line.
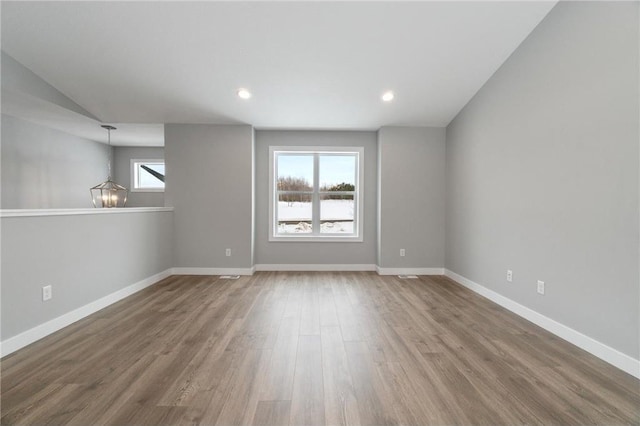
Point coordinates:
pixel 315 194
pixel 147 175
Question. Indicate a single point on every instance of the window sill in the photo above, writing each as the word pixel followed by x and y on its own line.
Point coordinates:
pixel 314 239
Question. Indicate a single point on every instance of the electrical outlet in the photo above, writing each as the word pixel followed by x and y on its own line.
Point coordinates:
pixel 509 275
pixel 47 293
pixel 540 287
pixel 401 252
pixel 228 252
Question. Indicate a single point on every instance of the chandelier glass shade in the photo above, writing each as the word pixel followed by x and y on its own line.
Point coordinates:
pixel 109 194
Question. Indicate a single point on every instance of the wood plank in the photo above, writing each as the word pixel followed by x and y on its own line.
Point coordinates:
pixel 310 311
pixel 242 388
pixel 307 403
pixel 271 413
pixel 374 403
pixel 278 383
pixel 340 404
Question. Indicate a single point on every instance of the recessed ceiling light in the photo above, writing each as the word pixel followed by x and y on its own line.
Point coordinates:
pixel 244 93
pixel 388 96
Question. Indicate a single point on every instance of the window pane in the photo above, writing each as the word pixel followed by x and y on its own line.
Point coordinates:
pixel 337 213
pixel 337 172
pixel 294 214
pixel 295 172
pixel 147 179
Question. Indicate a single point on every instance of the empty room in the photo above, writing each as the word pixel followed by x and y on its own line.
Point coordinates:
pixel 320 213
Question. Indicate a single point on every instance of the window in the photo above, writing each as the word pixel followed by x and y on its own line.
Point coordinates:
pixel 315 194
pixel 147 175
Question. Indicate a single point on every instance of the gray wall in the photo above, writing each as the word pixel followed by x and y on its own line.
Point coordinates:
pixel 412 199
pixel 210 184
pixel 45 168
pixel 319 252
pixel 542 174
pixel 122 174
pixel 69 253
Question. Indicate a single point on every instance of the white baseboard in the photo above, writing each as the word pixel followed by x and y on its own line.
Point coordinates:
pixel 596 348
pixel 409 271
pixel 25 338
pixel 606 353
pixel 314 267
pixel 213 271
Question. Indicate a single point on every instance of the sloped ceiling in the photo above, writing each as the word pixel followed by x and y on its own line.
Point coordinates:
pixel 309 65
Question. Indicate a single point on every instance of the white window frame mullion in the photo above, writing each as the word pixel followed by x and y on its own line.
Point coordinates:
pixel 315 200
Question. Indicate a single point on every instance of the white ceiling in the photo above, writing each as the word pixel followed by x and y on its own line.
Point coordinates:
pixel 311 65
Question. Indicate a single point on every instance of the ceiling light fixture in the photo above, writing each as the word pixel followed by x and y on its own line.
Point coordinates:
pixel 244 93
pixel 388 96
pixel 108 193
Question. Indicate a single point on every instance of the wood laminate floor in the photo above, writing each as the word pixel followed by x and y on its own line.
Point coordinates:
pixel 287 348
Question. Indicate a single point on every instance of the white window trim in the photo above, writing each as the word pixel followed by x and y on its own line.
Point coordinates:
pixel 359 195
pixel 133 169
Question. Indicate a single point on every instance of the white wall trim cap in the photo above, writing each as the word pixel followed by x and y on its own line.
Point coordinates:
pixel 336 267
pixel 75 212
pixel 409 271
pixel 25 338
pixel 606 353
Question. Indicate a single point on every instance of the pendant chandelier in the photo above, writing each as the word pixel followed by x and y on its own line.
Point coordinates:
pixel 108 194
